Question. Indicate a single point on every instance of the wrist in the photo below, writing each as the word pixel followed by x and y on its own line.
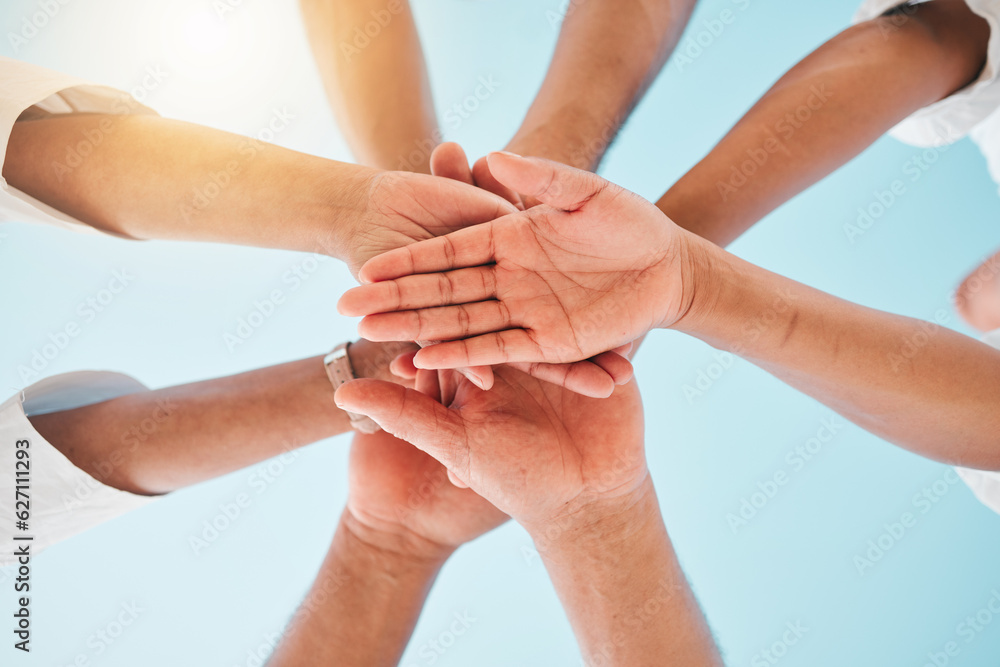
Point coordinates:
pixel 396 548
pixel 700 268
pixel 372 360
pixel 556 141
pixel 601 523
pixel 346 191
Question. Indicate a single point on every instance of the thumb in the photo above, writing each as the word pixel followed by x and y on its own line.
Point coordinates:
pixel 409 415
pixel 549 182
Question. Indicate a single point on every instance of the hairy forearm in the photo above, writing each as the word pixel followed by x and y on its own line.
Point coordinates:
pixel 917 384
pixel 608 53
pixel 826 110
pixel 622 587
pixel 372 65
pixel 148 177
pixel 363 606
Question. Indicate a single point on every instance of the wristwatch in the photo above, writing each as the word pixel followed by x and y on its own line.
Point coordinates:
pixel 340 371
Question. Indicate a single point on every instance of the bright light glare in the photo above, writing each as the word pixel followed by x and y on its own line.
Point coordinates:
pixel 205 33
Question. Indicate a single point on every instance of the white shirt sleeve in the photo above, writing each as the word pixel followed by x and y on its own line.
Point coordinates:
pixel 952 118
pixel 22 86
pixel 985 485
pixel 61 499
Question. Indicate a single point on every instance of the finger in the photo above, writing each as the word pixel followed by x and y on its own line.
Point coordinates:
pixel 624 350
pixel 467 247
pixel 550 182
pixel 449 161
pixel 427 384
pixel 402 366
pixel 615 365
pixel 481 376
pixel 510 346
pixel 447 323
pixel 582 377
pixel 456 481
pixel 410 416
pixel 484 179
pixel 420 291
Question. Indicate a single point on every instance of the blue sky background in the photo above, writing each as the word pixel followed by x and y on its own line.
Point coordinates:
pixel 792 563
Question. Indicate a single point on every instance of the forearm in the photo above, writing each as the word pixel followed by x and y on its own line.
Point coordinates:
pixel 372 65
pixel 916 384
pixel 622 587
pixel 825 110
pixel 158 441
pixel 154 178
pixel 608 53
pixel 363 606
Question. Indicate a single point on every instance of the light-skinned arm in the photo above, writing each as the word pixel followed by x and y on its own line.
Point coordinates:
pixel 369 57
pixel 156 178
pixel 561 281
pixel 572 471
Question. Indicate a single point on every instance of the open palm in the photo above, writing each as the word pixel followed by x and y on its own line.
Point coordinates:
pixel 593 269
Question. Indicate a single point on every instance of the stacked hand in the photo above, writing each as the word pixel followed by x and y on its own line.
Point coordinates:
pixel 402 208
pixel 536 451
pixel 592 269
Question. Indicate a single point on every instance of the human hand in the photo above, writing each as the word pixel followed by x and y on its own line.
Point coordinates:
pixel 593 269
pixel 400 499
pixel 403 208
pixel 398 208
pixel 536 451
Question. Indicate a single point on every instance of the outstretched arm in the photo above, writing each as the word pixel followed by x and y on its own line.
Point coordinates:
pixel 827 109
pixel 154 178
pixel 158 441
pixel 608 53
pixel 369 56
